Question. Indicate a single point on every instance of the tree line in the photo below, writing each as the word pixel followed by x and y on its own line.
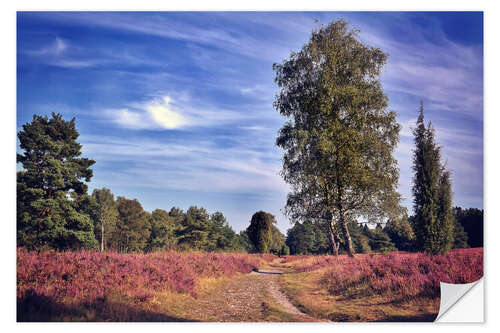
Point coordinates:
pixel 55 211
pixel 308 238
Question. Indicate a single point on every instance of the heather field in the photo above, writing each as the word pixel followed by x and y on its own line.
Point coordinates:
pixel 397 286
pixel 71 285
pixel 182 286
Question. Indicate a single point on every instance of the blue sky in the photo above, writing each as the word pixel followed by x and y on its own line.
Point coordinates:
pixel 176 108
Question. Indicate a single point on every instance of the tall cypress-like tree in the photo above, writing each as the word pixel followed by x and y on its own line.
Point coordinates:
pixel 52 170
pixel 339 136
pixel 432 197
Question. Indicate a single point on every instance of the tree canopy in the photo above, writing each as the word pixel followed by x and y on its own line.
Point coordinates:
pixel 338 138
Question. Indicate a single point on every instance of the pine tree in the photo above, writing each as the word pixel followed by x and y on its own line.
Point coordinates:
pixel 432 223
pixel 47 216
pixel 195 230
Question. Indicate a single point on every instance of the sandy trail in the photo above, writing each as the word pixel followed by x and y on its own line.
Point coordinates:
pixel 248 297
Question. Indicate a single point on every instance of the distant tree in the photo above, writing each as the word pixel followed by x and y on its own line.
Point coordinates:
pixel 278 244
pixel 431 192
pixel 260 231
pixel 106 215
pixel 379 241
pixel 472 221
pixel 445 217
pixel 460 237
pixel 300 238
pixel 245 242
pixel 195 229
pixel 339 138
pixel 222 236
pixel 360 237
pixel 401 233
pixel 162 231
pixel 133 227
pixel 47 217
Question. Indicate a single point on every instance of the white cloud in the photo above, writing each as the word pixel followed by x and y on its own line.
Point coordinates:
pixel 157 114
pixel 167 113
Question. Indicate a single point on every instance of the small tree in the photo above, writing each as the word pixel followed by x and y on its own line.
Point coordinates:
pixel 260 231
pixel 47 217
pixel 106 215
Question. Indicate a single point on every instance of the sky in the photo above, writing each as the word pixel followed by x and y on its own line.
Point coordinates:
pixel 176 107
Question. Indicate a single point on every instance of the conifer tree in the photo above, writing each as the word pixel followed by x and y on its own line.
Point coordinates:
pixel 433 223
pixel 260 231
pixel 47 217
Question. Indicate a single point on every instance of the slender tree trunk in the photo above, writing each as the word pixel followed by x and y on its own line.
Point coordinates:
pixel 331 236
pixel 102 237
pixel 343 222
pixel 101 217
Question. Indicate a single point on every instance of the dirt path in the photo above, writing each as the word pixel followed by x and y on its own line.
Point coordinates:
pixel 251 297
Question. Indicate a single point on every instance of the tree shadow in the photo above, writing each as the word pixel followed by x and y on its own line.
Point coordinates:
pixel 39 308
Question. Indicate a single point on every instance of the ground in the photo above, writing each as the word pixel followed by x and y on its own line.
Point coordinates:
pixel 249 297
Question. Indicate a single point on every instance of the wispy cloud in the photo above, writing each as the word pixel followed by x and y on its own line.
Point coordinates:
pixel 196 166
pixel 165 113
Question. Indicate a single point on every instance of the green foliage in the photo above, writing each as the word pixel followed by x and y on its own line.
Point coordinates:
pixel 278 244
pixel 308 238
pixel 459 235
pixel 195 229
pixel 433 224
pixel 245 242
pixel 225 239
pixel 47 218
pixel 105 216
pixel 471 220
pixel 360 237
pixel 379 241
pixel 133 228
pixel 260 231
pixel 339 138
pixel 401 233
pixel 162 235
